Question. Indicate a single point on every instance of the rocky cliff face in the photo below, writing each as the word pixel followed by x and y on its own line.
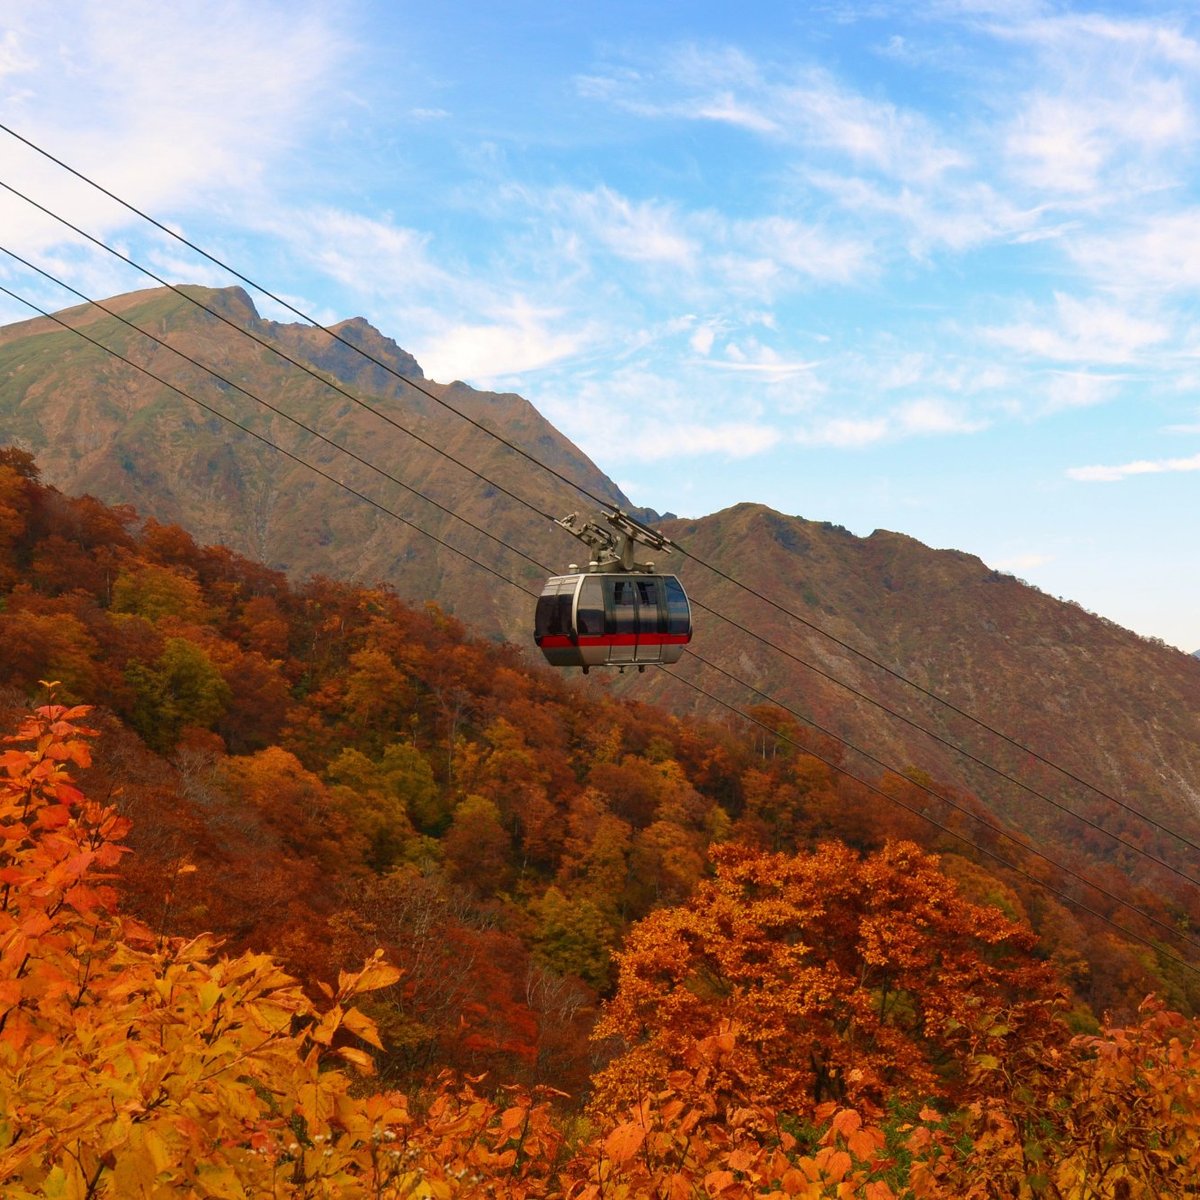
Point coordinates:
pixel 1109 705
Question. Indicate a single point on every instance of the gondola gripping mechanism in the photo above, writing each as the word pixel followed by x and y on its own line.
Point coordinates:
pixel 613 548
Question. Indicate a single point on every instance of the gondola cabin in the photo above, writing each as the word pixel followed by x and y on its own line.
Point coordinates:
pixel 594 619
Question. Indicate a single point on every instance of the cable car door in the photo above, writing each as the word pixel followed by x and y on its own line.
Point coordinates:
pixel 622 597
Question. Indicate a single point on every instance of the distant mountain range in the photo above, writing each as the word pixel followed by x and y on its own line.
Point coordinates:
pixel 1110 706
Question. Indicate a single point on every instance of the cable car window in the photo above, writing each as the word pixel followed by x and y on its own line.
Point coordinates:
pixel 650 618
pixel 552 617
pixel 589 616
pixel 543 617
pixel 624 612
pixel 679 617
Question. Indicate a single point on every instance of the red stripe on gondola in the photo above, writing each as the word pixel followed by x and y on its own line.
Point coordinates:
pixel 558 641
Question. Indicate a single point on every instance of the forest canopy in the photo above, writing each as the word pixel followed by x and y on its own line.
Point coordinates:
pixel 320 894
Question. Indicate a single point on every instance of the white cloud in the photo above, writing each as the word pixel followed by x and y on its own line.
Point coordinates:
pixel 733 439
pixel 1092 330
pixel 934 416
pixel 804 107
pixel 370 255
pixel 702 340
pixel 645 232
pixel 1102 474
pixel 515 341
pixel 13 60
pixel 957 216
pixel 1063 390
pixel 1057 146
pixel 1161 251
pixel 844 432
pixel 166 104
pixel 774 369
pixel 779 247
pixel 924 417
pixel 726 110
pixel 1070 33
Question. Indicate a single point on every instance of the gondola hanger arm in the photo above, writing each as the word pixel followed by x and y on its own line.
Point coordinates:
pixel 613 549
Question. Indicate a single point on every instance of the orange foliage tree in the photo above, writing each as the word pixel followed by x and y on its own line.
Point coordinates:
pixel 852 978
pixel 127 1071
pixel 1115 1116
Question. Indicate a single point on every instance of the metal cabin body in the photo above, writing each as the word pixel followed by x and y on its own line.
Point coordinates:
pixel 618 612
pixel 609 619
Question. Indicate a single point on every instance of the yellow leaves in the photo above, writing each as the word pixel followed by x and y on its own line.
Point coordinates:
pixel 208 994
pixel 322 1033
pixel 139 1071
pixel 220 1183
pixel 624 1142
pixel 362 1026
pixel 376 974
pixel 358 1058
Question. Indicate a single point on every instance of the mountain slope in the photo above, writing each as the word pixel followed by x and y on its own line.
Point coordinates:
pixel 1112 707
pixel 101 426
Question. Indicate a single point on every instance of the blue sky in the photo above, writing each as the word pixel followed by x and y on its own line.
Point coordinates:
pixel 930 268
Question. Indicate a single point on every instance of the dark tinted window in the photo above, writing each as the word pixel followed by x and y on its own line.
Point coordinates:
pixel 652 614
pixel 553 615
pixel 624 605
pixel 679 617
pixel 590 612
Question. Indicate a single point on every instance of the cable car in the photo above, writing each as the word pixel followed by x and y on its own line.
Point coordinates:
pixel 617 612
pixel 601 620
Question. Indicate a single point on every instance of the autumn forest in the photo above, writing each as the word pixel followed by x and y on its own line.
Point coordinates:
pixel 306 892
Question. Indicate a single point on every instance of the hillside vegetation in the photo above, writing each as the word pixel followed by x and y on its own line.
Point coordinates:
pixel 417 854
pixel 1114 709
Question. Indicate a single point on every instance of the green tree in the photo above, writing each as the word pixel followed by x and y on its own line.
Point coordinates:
pixel 182 687
pixel 477 848
pixel 572 938
pixel 156 592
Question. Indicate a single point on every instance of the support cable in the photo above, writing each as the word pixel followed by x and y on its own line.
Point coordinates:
pixel 584 491
pixel 999 772
pixel 982 849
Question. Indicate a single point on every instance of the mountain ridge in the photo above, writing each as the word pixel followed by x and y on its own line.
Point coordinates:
pixel 1110 705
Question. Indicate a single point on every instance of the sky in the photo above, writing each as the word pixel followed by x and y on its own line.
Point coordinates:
pixel 931 268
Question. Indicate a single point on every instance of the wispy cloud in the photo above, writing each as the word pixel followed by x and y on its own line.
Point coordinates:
pixel 1160 251
pixel 638 232
pixel 375 256
pixel 844 432
pixel 1063 390
pixel 517 340
pixel 802 106
pixel 1113 474
pixel 167 104
pixel 1068 33
pixel 1092 330
pixel 924 417
pixel 934 416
